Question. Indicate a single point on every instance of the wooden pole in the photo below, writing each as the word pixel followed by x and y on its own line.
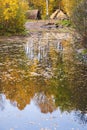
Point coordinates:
pixel 47 10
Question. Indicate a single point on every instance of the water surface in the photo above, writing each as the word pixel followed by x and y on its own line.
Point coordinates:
pixel 43 85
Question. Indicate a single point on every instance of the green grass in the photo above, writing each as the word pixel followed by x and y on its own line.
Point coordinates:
pixel 64 22
pixel 84 51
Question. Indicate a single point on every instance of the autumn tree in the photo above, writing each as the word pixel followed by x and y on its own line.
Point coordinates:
pixel 80 19
pixel 69 5
pixel 12 15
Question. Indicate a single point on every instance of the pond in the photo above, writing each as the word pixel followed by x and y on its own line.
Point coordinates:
pixel 43 85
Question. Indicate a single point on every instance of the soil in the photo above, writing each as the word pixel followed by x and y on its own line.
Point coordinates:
pixel 41 25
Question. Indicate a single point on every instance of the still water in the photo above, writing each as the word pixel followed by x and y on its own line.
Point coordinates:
pixel 43 85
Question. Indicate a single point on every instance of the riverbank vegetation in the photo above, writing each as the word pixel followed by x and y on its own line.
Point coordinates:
pixel 79 18
pixel 13 14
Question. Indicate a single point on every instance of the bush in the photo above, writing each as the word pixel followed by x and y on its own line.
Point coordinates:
pixel 79 19
pixel 12 15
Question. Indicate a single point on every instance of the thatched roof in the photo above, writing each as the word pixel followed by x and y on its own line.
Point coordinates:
pixel 61 15
pixel 58 14
pixel 33 14
pixel 53 16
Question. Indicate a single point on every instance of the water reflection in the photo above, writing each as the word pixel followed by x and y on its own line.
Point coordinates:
pixel 46 104
pixel 2 102
pixel 39 49
pixel 47 73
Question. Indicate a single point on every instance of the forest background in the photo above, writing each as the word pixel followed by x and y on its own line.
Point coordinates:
pixel 13 18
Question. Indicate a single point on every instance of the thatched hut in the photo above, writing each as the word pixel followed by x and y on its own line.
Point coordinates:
pixel 58 14
pixel 33 14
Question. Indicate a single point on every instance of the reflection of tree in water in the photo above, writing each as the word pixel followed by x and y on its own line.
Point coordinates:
pixel 81 116
pixel 43 51
pixel 46 104
pixel 65 89
pixel 79 90
pixel 14 76
pixel 80 87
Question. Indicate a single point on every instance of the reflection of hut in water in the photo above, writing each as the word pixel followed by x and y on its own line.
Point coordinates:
pixel 33 14
pixel 46 104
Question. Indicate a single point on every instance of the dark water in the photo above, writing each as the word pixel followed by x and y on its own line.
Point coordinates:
pixel 43 86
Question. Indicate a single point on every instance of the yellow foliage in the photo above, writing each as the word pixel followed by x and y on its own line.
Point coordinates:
pixel 69 5
pixel 12 14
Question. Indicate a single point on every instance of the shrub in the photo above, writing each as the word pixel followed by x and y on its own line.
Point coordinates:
pixel 12 15
pixel 79 19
